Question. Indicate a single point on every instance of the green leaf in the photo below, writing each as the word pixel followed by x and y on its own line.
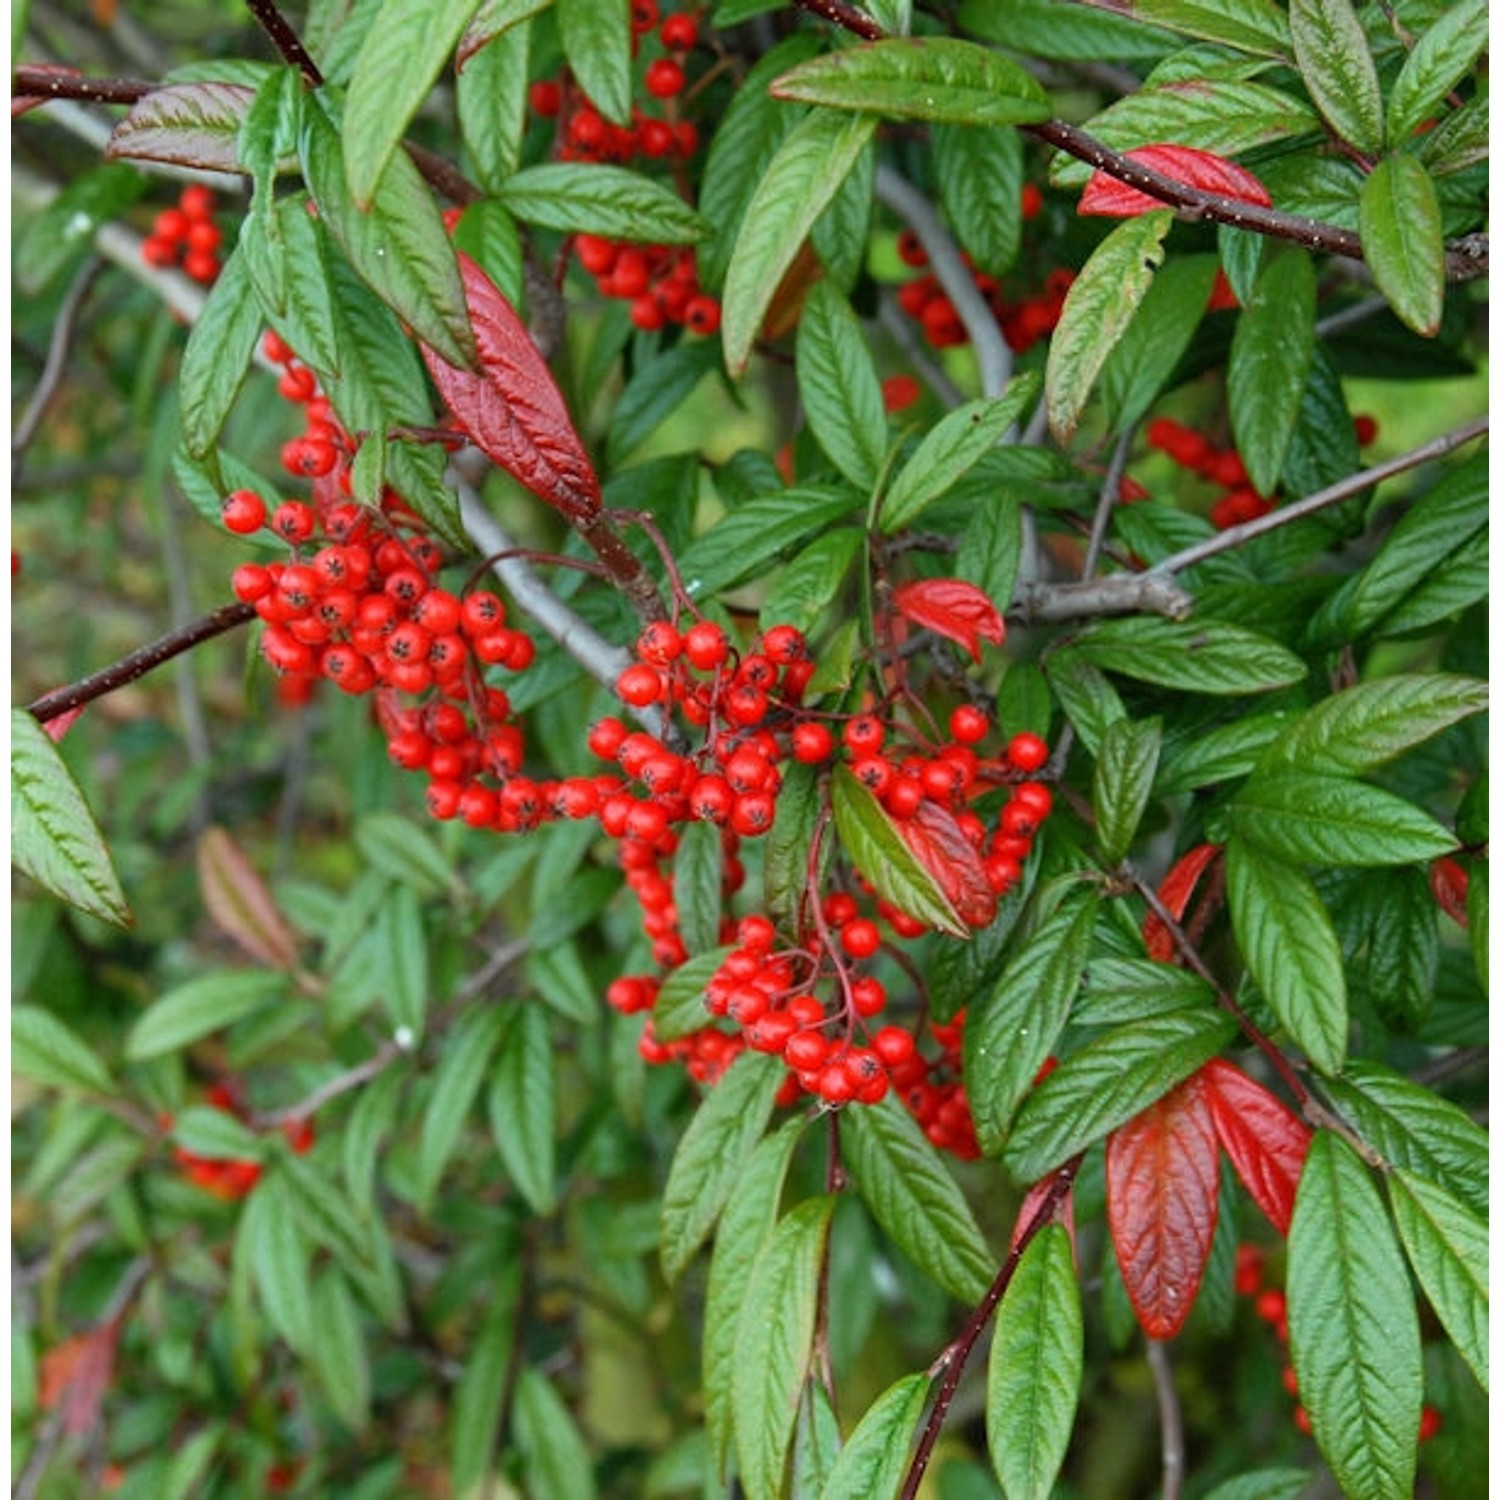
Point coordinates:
pixel 190 124
pixel 337 1354
pixel 1041 28
pixel 216 1134
pixel 839 387
pixel 1110 1081
pixel 1211 114
pixel 950 450
pixel 940 79
pixel 493 113
pixel 841 233
pixel 803 593
pixel 279 1259
pixel 288 255
pixel 1333 56
pixel 1441 525
pixel 1202 656
pixel 1013 1027
pixel 1289 945
pixel 712 1153
pixel 747 1224
pixel 774 1349
pixel 1143 360
pixel 655 393
pixel 1250 25
pixel 522 1104
pixel 1412 1128
pixel 1327 820
pixel 1370 723
pixel 326 1214
pixel 1036 1367
pixel 1117 990
pixel 592 198
pixel 53 836
pixel 1087 696
pixel 1399 966
pixel 747 137
pixel 979 180
pixel 596 41
pixel 62 232
pixel 1478 911
pixel 554 1457
pixel 402 55
pixel 1461 141
pixel 1443 54
pixel 1124 770
pixel 1262 1484
pixel 1223 754
pixel 1099 308
pixel 217 358
pixel 912 1194
pixel 1269 363
pixel 807 170
pixel 404 850
pixel 697 885
pixel 873 1460
pixel 1401 228
pixel 989 556
pixel 402 945
pixel 680 1007
pixel 881 855
pixel 479 1394
pixel 455 1086
pixel 789 842
pixel 201 1006
pixel 1449 1249
pixel 754 533
pixel 51 1053
pixel 1352 1318
pixel 398 245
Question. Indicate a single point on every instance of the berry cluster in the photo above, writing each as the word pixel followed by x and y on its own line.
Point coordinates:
pixel 1023 319
pixel 1199 454
pixel 186 235
pixel 659 281
pixel 1270 1308
pixel 810 996
pixel 226 1177
pixel 359 602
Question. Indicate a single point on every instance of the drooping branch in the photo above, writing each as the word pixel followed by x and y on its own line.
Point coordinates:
pixel 139 662
pixel 952 1360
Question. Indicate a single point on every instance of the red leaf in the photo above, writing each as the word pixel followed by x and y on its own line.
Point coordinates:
pixel 1036 1196
pixel 1185 164
pixel 1450 888
pixel 512 409
pixel 76 1374
pixel 954 609
pixel 59 724
pixel 1162 1175
pixel 1264 1140
pixel 240 903
pixel 188 124
pixel 933 835
pixel 1176 890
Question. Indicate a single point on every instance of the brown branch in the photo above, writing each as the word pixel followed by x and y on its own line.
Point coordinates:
pixel 139 662
pixel 850 17
pixel 952 1360
pixel 285 39
pixel 32 81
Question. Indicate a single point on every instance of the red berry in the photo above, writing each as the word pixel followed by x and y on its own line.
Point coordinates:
pixel 197 201
pixel 812 742
pixel 293 521
pixel 968 724
pixel 243 512
pixel 679 33
pixel 910 249
pixel 702 315
pixel 639 685
pixel 897 392
pixel 1027 752
pixel 643 15
pixel 864 734
pixel 706 646
pixel 546 98
pixel 665 78
pixel 1270 1305
pixel 860 938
